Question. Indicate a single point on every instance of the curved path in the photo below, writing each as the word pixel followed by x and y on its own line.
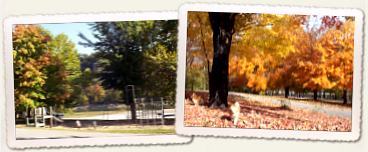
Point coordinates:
pixel 342 112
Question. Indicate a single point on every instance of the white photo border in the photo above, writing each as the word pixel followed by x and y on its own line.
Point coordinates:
pixel 352 136
pixel 75 142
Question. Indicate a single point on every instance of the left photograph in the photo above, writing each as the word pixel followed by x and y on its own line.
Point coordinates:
pixel 90 80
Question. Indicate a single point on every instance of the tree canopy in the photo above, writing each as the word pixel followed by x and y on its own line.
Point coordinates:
pixel 271 52
pixel 31 56
pixel 141 53
pixel 45 67
pixel 49 71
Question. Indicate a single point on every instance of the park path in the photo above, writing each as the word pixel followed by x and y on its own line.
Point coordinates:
pixel 41 133
pixel 342 112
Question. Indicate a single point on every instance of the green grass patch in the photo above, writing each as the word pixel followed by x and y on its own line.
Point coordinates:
pixel 149 130
pixel 90 113
pixel 140 131
pixel 94 110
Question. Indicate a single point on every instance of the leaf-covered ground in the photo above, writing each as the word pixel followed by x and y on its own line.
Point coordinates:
pixel 255 114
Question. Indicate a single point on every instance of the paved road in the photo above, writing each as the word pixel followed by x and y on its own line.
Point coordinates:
pixel 44 133
pixel 41 137
pixel 346 112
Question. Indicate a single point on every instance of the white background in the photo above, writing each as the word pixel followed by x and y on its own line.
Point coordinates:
pixel 31 7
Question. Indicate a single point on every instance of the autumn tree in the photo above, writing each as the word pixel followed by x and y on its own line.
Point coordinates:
pixel 340 43
pixel 314 69
pixel 284 48
pixel 95 93
pixel 258 58
pixel 31 56
pixel 270 52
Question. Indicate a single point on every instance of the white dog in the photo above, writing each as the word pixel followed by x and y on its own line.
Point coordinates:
pixel 235 110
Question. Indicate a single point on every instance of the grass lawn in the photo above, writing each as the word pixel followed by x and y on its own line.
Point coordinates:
pixel 94 111
pixel 82 114
pixel 131 129
pixel 141 131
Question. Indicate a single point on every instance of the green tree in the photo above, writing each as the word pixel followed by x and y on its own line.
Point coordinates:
pixel 134 52
pixel 160 72
pixel 121 43
pixel 64 49
pixel 62 73
pixel 141 53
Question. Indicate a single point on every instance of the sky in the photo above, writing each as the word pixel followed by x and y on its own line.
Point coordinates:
pixel 72 30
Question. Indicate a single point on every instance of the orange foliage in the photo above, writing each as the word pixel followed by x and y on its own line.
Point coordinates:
pixel 280 51
pixel 328 63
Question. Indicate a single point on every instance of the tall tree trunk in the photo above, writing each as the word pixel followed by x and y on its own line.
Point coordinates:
pixel 345 96
pixel 129 93
pixel 222 25
pixel 315 94
pixel 133 110
pixel 287 92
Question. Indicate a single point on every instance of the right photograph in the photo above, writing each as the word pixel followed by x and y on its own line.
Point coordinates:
pixel 269 71
pixel 262 71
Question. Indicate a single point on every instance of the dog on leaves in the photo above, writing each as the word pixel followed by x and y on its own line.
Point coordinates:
pixel 235 112
pixel 194 99
pixel 197 100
